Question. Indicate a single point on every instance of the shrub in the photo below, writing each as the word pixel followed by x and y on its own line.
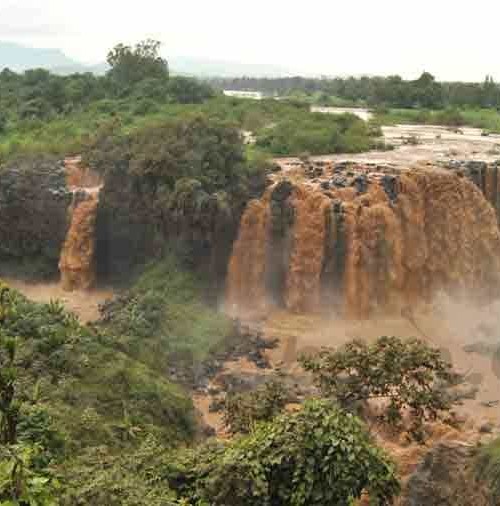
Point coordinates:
pixel 243 411
pixel 321 455
pixel 408 375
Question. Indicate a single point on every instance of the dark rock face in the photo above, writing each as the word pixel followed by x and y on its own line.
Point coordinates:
pixel 279 245
pixel 484 175
pixel 34 202
pixel 444 478
pixel 139 220
pixel 390 185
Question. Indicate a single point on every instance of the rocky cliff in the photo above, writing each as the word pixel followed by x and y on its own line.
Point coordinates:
pixel 34 201
pixel 138 220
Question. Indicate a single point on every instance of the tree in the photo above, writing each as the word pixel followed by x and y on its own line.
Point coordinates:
pixel 407 375
pixel 185 90
pixel 319 456
pixel 9 407
pixel 129 65
pixel 3 123
pixel 22 483
pixel 243 411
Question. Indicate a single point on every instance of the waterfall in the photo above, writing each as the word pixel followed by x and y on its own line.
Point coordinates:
pixel 380 246
pixel 77 262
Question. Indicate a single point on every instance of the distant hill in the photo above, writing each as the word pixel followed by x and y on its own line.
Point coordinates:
pixel 20 58
pixel 198 67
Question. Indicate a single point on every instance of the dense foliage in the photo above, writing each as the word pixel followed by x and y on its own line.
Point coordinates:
pixel 319 134
pixel 243 410
pixel 44 112
pixel 67 391
pixel 96 421
pixel 407 375
pixel 162 320
pixel 163 154
pixel 318 456
pixel 132 65
pixel 392 91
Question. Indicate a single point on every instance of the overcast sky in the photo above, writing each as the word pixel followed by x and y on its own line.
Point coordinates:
pixel 452 39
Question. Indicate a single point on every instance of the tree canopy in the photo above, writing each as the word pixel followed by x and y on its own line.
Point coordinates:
pixel 130 65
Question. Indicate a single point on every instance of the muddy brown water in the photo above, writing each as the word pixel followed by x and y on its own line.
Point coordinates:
pixel 84 303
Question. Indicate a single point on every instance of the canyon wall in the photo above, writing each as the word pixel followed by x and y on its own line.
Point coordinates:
pixel 378 242
pixel 34 201
pixel 138 220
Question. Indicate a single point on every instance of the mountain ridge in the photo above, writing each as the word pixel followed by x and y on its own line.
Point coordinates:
pixel 20 58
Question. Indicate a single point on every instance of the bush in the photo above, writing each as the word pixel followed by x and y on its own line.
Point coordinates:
pixel 316 134
pixel 162 320
pixel 408 375
pixel 321 455
pixel 487 468
pixel 243 411
pixel 450 117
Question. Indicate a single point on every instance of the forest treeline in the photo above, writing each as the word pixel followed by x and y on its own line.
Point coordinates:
pixel 392 91
pixel 138 77
pixel 43 113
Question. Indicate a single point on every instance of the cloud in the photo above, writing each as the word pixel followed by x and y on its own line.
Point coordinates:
pixel 28 20
pixel 449 39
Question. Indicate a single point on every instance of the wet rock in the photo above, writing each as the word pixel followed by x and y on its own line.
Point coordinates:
pixel 33 197
pixel 240 382
pixel 217 405
pixel 361 183
pixel 389 183
pixel 282 191
pixel 339 181
pixel 486 428
pixel 481 348
pixel 442 472
pixel 462 392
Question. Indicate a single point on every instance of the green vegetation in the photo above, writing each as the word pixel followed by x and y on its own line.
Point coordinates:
pixel 243 411
pixel 392 91
pixel 318 133
pixel 170 152
pixel 42 113
pixel 45 113
pixel 162 322
pixel 487 468
pixel 88 417
pixel 130 66
pixel 318 456
pixel 408 375
pixel 485 119
pixel 394 100
pixel 66 392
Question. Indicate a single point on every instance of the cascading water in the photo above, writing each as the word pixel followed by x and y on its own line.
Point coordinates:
pixel 378 246
pixel 303 279
pixel 76 263
pixel 247 267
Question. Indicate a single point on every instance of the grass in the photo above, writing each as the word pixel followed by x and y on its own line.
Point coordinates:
pixel 485 119
pixel 163 321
